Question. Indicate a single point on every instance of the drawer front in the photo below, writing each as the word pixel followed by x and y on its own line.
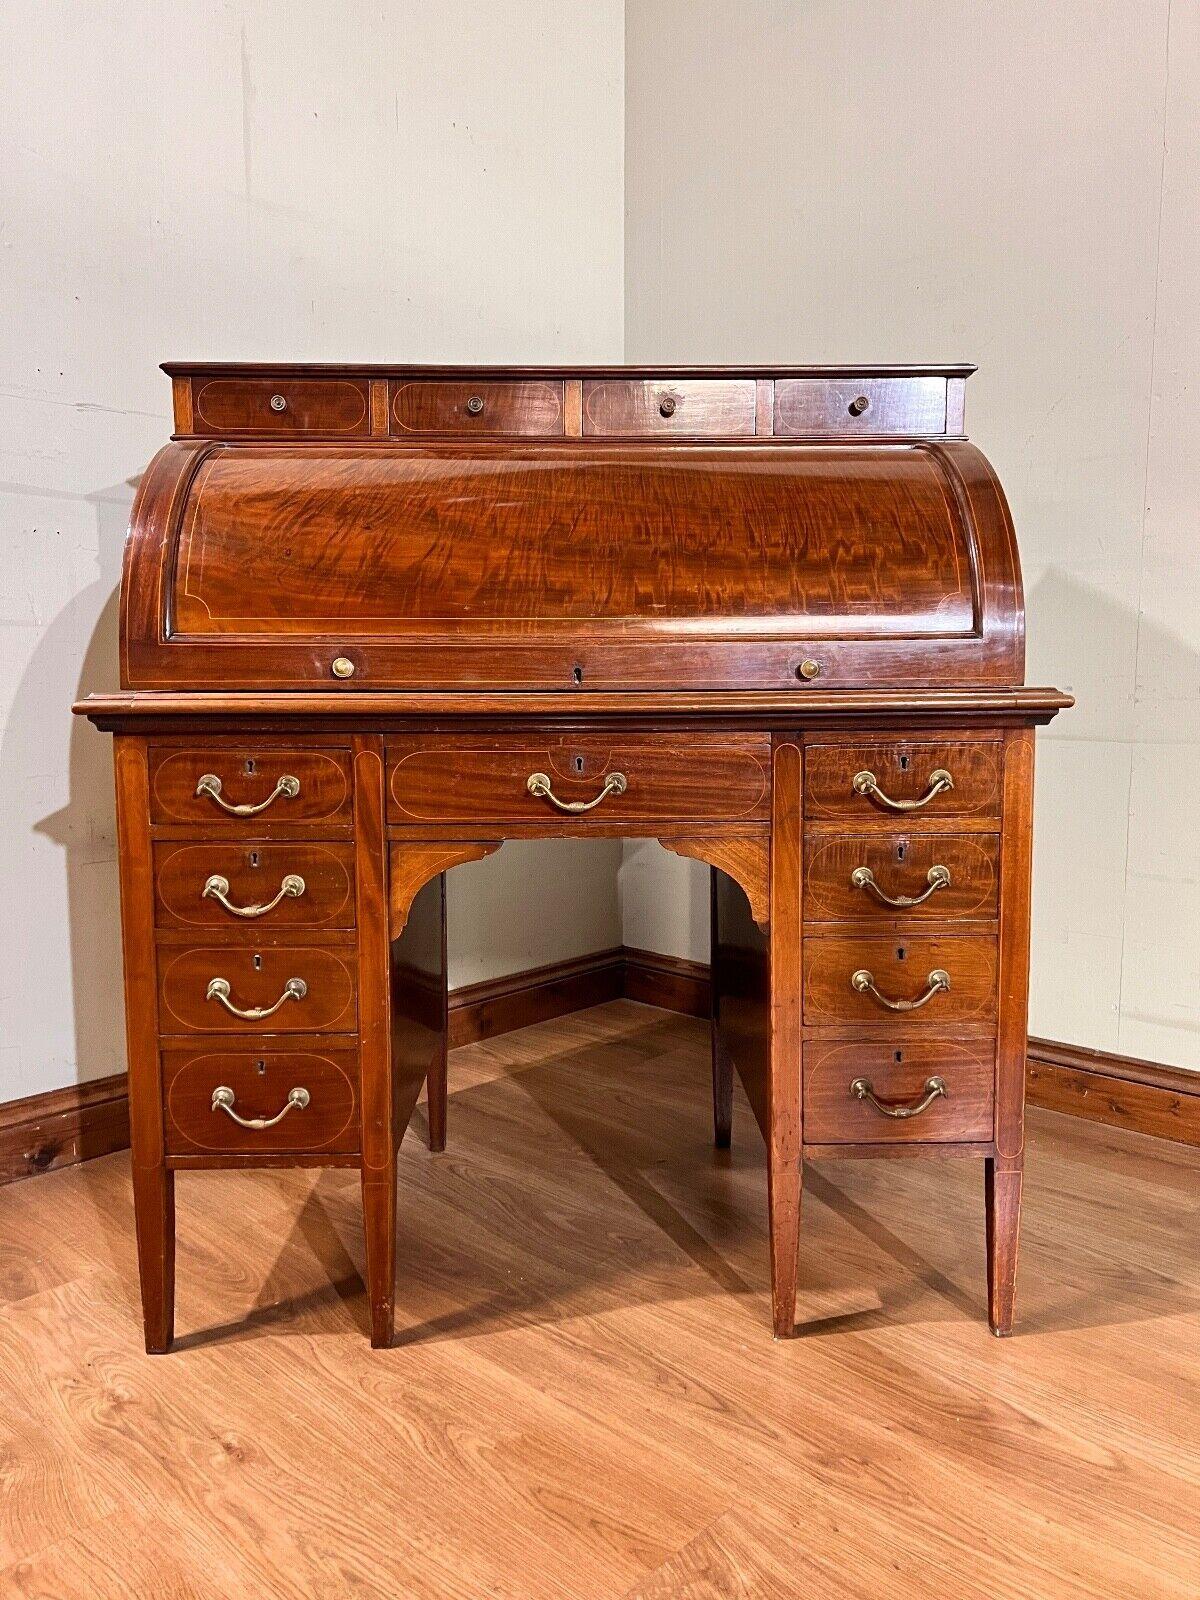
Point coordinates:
pixel 232 884
pixel 276 989
pixel 901 969
pixel 253 784
pixel 867 406
pixel 704 408
pixel 844 1080
pixel 633 780
pixel 281 406
pixel 315 1088
pixel 484 408
pixel 904 779
pixel 861 876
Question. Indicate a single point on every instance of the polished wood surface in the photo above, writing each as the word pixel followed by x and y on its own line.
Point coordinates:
pixel 898 1074
pixel 581 1363
pixel 364 609
pixel 261 1078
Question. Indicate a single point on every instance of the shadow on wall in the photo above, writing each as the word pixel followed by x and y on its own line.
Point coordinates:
pixel 77 655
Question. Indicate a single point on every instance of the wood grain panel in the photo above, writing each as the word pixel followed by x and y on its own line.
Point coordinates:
pixel 261 1081
pixel 634 408
pixel 900 966
pixel 478 406
pixel 243 405
pixel 257 978
pixel 903 769
pixel 254 872
pixel 249 774
pixel 898 1073
pixel 816 406
pixel 900 864
pixel 480 780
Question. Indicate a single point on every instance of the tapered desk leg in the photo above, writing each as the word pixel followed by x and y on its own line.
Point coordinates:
pixel 437 1092
pixel 783 1132
pixel 1002 1207
pixel 379 1231
pixel 154 1216
pixel 722 1065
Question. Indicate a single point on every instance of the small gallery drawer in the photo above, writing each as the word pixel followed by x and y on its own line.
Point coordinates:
pixel 590 778
pixel 293 988
pixel 910 982
pixel 504 409
pixel 869 1092
pixel 911 779
pixel 860 405
pixel 872 876
pixel 307 1097
pixel 235 884
pixel 698 408
pixel 249 784
pixel 281 405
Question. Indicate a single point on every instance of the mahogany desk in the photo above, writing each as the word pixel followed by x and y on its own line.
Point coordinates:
pixel 376 621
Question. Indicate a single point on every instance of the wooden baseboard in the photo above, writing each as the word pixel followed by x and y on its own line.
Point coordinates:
pixel 52 1130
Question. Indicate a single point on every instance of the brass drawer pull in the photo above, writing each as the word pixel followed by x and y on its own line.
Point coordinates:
pixel 937 878
pixel 863 982
pixel 218 989
pixel 210 785
pixel 223 1098
pixel 864 783
pixel 217 888
pixel 538 785
pixel 935 1088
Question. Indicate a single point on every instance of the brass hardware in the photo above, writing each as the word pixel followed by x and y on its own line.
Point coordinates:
pixel 937 878
pixel 223 1098
pixel 666 406
pixel 538 785
pixel 935 1088
pixel 863 982
pixel 858 405
pixel 809 670
pixel 864 783
pixel 475 405
pixel 342 667
pixel 218 989
pixel 278 403
pixel 210 785
pixel 217 887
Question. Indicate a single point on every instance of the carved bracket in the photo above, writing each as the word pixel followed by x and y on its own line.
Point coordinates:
pixel 746 858
pixel 414 864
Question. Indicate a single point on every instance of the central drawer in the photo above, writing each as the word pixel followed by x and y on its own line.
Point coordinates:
pixel 591 778
pixel 292 988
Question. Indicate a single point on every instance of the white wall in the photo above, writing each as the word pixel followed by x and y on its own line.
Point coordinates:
pixel 257 181
pixel 1017 185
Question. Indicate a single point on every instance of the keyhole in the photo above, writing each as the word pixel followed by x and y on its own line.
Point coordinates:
pixel 900 952
pixel 257 962
pixel 903 763
pixel 253 858
pixel 577 674
pixel 899 1055
pixel 261 1066
pixel 578 763
pixel 900 851
pixel 250 768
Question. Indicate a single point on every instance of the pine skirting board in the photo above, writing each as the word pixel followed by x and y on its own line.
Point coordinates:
pixel 58 1129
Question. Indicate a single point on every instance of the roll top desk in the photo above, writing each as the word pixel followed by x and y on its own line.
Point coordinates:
pixel 376 621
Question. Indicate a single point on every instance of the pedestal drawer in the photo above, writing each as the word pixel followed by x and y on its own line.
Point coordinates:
pixel 306 1100
pixel 237 884
pixel 872 1092
pixel 918 877
pixel 911 983
pixel 246 785
pixel 292 988
pixel 919 781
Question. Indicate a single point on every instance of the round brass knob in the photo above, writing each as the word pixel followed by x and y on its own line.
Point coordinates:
pixel 475 405
pixel 666 406
pixel 808 670
pixel 858 405
pixel 278 402
pixel 342 667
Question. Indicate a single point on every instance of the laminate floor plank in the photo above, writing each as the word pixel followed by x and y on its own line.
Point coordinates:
pixel 584 1400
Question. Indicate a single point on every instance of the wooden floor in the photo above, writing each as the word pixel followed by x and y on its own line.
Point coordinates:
pixel 584 1399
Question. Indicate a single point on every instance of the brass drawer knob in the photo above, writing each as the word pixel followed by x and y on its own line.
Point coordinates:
pixel 475 405
pixel 278 402
pixel 864 783
pixel 859 405
pixel 808 670
pixel 342 667
pixel 667 405
pixel 217 888
pixel 937 877
pixel 219 989
pixel 538 784
pixel 223 1100
pixel 935 1089
pixel 286 789
pixel 863 982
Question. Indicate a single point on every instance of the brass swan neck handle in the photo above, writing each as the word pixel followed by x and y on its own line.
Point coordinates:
pixel 865 783
pixel 538 784
pixel 223 1099
pixel 935 1089
pixel 863 982
pixel 287 788
pixel 938 877
pixel 219 989
pixel 217 888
